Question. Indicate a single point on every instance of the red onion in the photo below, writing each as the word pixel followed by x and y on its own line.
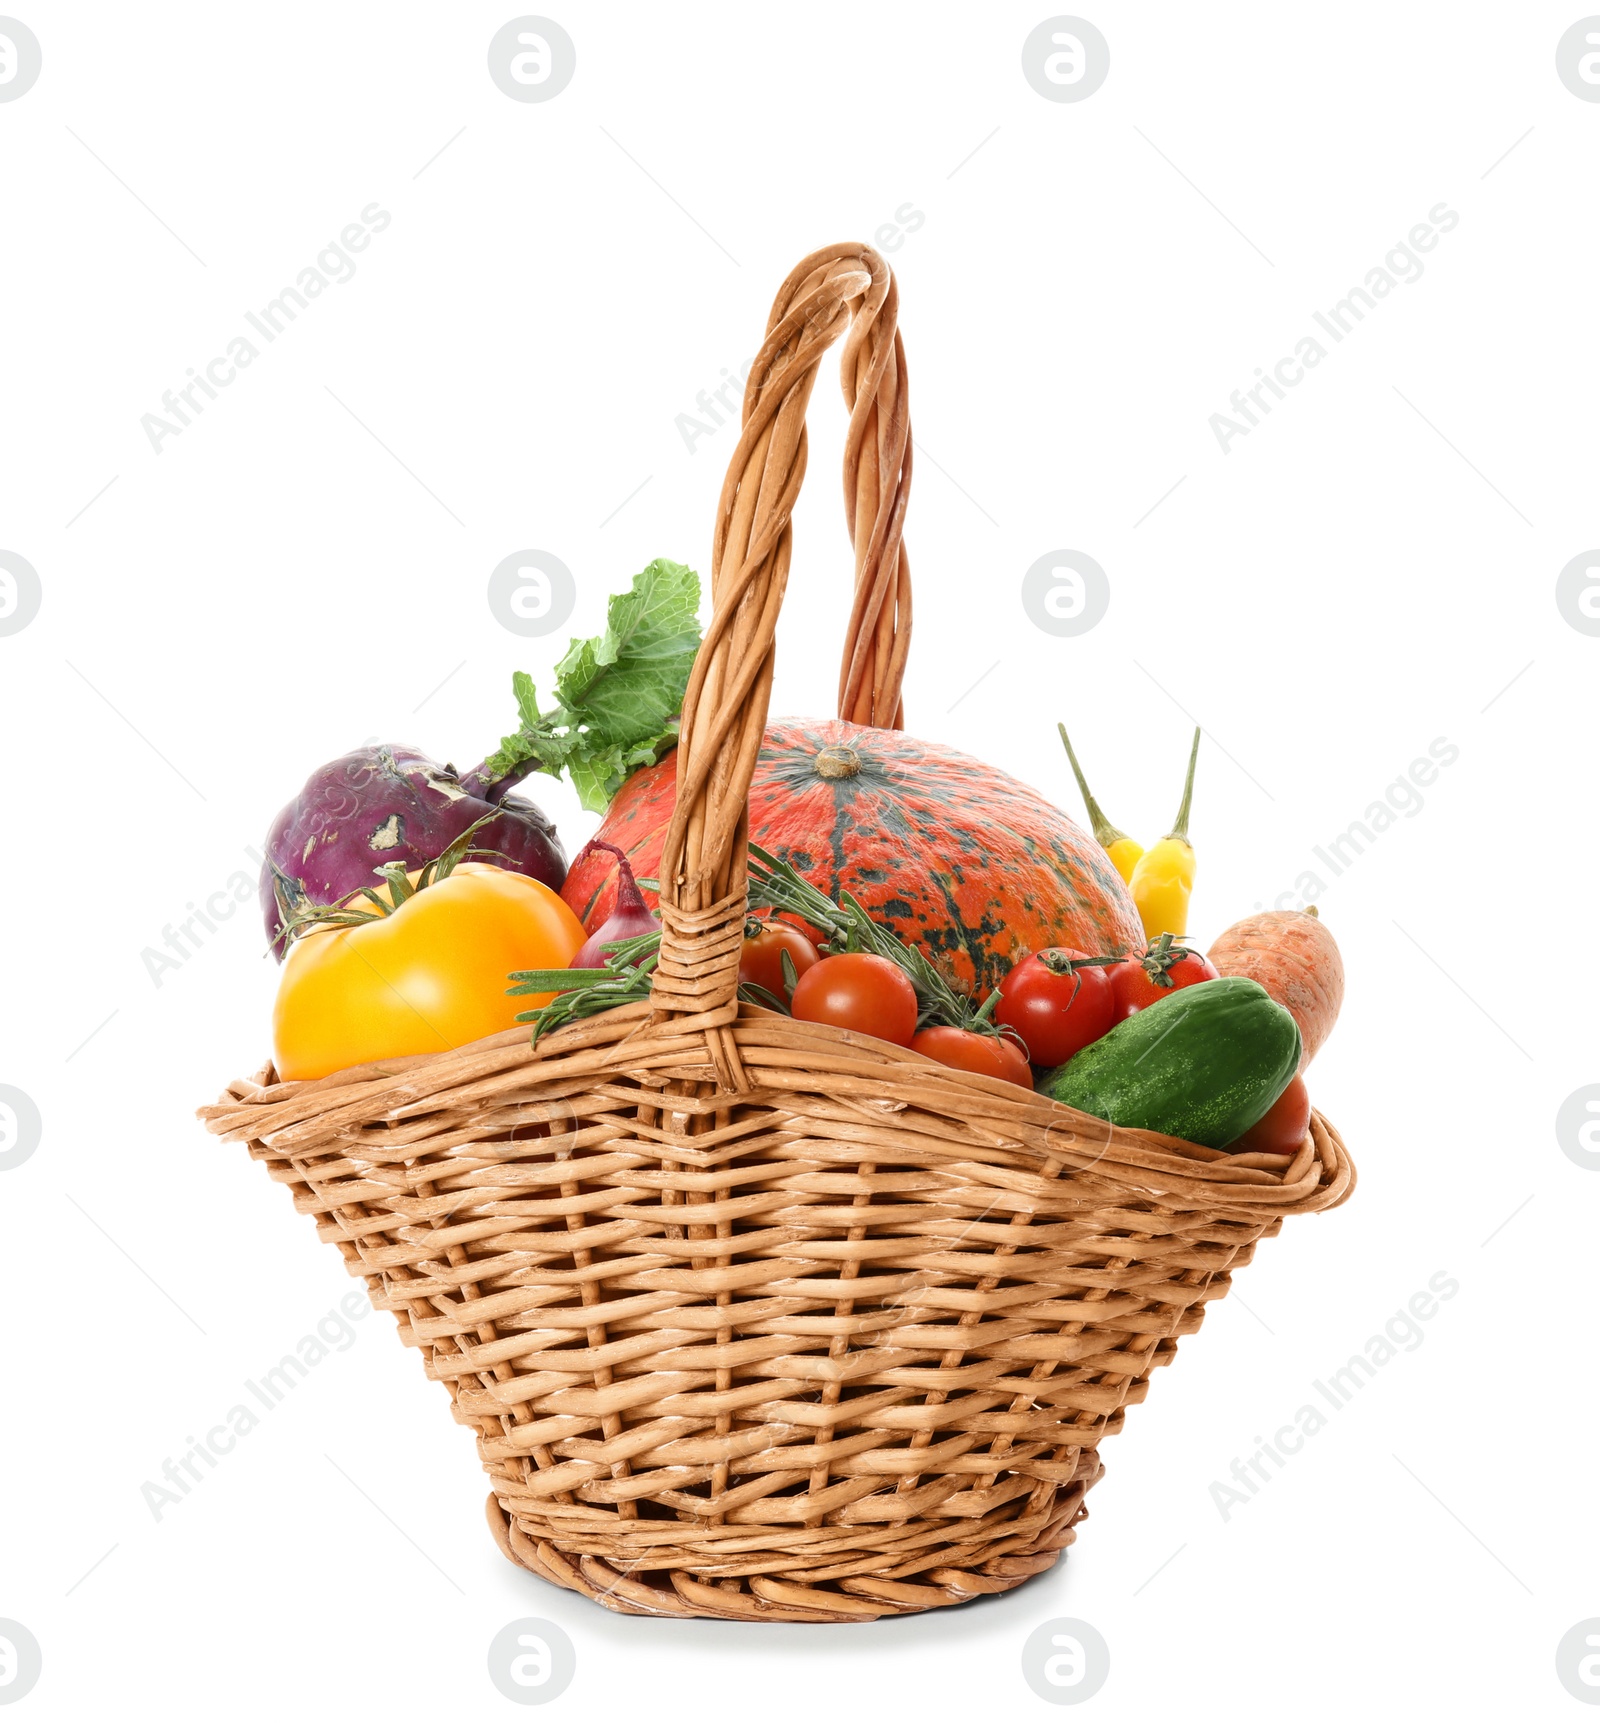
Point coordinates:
pixel 630 918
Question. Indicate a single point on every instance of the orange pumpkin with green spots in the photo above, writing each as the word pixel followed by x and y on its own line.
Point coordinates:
pixel 968 862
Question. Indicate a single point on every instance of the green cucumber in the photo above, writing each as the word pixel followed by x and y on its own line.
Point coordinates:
pixel 1204 1063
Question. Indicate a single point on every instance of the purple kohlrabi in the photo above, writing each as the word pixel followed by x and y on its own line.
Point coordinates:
pixel 391 804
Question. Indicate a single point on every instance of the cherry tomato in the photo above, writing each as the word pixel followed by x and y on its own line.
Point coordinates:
pixel 858 990
pixel 1135 983
pixel 1282 1128
pixel 761 964
pixel 970 1050
pixel 1056 1009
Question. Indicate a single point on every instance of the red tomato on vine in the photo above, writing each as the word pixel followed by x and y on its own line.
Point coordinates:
pixel 971 1050
pixel 1058 1001
pixel 765 945
pixel 857 990
pixel 1282 1128
pixel 1140 981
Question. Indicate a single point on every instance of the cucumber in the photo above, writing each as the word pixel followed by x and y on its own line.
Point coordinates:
pixel 1204 1064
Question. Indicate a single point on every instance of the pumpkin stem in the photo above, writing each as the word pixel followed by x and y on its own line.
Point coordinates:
pixel 1180 829
pixel 1105 834
pixel 837 762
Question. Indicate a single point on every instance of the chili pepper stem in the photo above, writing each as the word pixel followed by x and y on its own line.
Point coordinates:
pixel 1180 827
pixel 1105 834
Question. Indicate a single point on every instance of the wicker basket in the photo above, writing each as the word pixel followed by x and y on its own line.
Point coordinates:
pixel 757 1319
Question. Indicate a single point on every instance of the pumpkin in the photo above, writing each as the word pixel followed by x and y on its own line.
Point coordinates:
pixel 950 853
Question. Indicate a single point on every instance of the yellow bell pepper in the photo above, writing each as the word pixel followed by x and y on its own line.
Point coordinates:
pixel 1164 878
pixel 1123 850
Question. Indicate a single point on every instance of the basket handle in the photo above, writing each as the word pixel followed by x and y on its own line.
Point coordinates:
pixel 877 488
pixel 702 897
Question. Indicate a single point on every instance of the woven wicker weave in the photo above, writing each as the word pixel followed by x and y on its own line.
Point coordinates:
pixel 754 1318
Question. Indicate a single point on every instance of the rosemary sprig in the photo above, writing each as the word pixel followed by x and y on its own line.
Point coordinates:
pixel 587 992
pixel 846 926
pixel 775 888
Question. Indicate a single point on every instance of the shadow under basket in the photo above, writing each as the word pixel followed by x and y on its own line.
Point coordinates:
pixel 758 1319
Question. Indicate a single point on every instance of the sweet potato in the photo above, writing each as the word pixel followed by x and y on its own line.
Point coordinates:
pixel 1294 957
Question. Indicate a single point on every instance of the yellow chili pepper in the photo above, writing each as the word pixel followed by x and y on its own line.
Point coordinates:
pixel 1123 850
pixel 1164 878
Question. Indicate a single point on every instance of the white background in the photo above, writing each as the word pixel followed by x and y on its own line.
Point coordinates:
pixel 1365 572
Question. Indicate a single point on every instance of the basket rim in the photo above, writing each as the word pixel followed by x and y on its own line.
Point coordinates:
pixel 280 1115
